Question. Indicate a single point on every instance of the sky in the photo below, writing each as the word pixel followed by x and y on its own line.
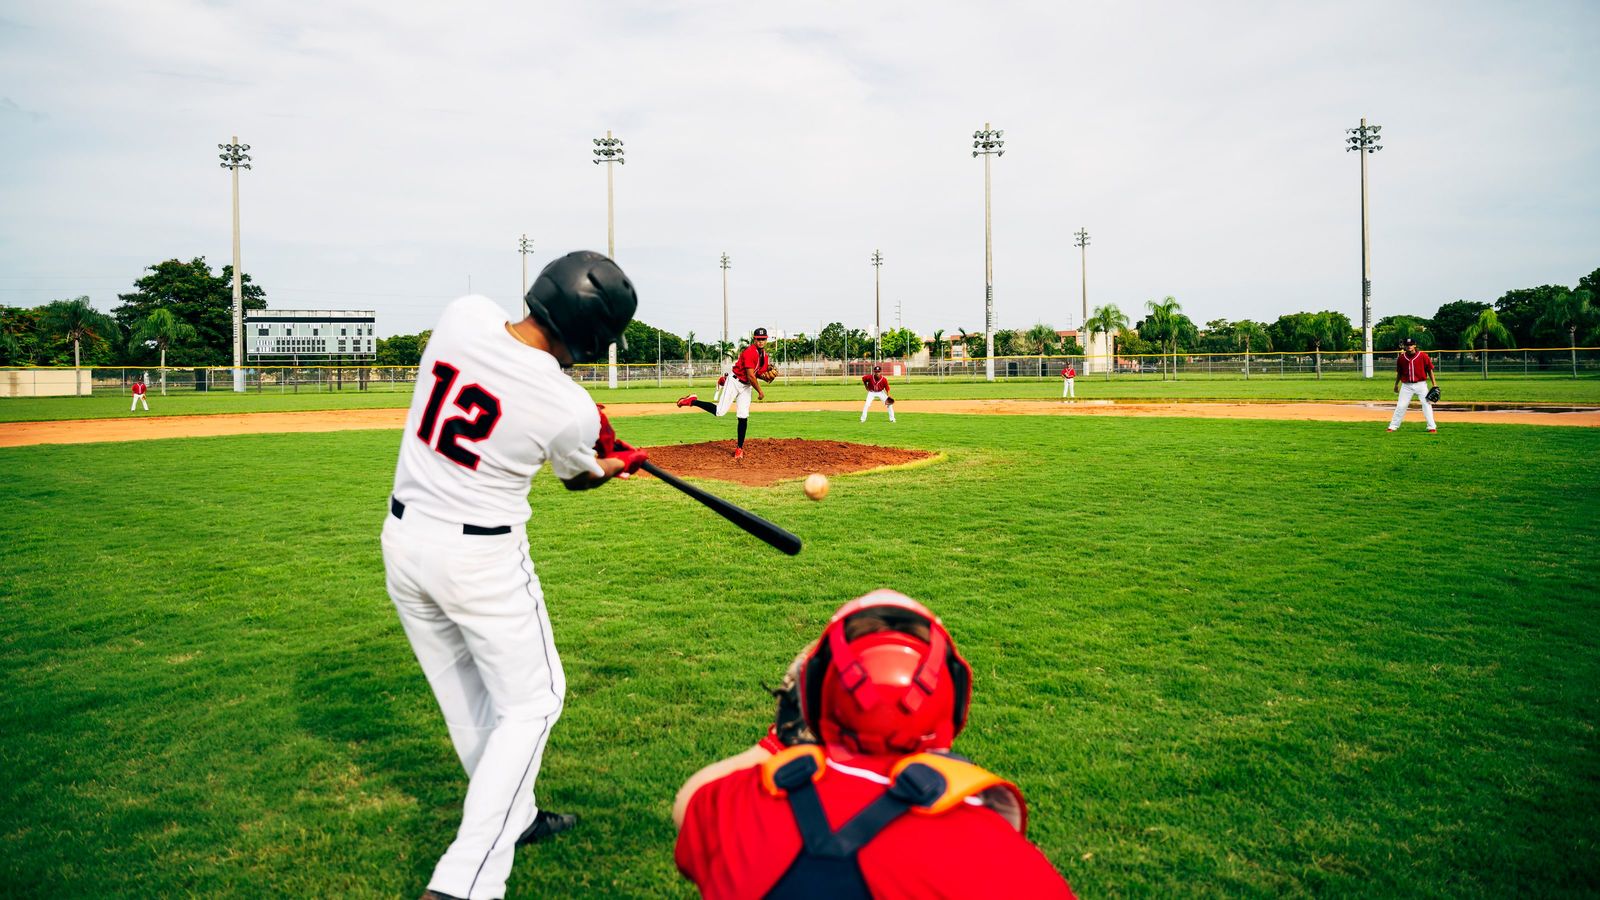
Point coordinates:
pixel 399 150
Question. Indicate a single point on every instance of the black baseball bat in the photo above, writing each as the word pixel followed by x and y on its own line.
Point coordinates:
pixel 738 515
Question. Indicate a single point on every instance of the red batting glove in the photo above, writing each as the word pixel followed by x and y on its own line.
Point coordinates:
pixel 631 458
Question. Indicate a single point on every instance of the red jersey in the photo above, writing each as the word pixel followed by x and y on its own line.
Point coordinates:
pixel 752 359
pixel 876 383
pixel 138 388
pixel 738 840
pixel 1069 372
pixel 1412 369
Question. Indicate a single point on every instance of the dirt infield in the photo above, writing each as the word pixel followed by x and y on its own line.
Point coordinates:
pixel 771 460
pixel 87 431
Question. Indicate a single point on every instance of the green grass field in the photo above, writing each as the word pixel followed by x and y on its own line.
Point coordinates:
pixel 1220 657
pixel 1458 388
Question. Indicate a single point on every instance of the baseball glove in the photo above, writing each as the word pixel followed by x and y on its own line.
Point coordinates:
pixel 889 400
pixel 767 374
pixel 787 725
pixel 1433 394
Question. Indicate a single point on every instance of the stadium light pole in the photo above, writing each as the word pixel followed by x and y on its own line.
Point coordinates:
pixel 725 263
pixel 234 157
pixel 524 247
pixel 1081 242
pixel 608 150
pixel 1364 140
pixel 987 143
pixel 877 306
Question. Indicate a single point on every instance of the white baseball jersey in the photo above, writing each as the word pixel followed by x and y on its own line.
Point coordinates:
pixel 487 412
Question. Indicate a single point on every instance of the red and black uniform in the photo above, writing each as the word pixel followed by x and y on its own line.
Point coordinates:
pixel 138 388
pixel 749 364
pixel 1413 369
pixel 752 359
pixel 804 825
pixel 875 383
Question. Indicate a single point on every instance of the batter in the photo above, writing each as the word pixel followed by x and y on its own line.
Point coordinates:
pixel 492 406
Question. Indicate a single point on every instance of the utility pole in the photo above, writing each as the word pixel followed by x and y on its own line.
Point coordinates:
pixel 987 143
pixel 524 247
pixel 877 307
pixel 234 156
pixel 1364 140
pixel 725 263
pixel 608 150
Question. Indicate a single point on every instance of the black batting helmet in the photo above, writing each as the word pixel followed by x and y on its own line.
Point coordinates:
pixel 585 301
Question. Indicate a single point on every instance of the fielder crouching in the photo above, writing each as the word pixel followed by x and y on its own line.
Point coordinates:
pixel 854 792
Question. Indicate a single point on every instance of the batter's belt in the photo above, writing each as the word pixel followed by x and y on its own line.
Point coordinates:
pixel 398 510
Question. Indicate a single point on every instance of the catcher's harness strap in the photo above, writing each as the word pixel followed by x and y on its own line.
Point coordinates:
pixel 926 784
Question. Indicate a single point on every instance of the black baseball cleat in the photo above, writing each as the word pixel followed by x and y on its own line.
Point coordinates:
pixel 546 825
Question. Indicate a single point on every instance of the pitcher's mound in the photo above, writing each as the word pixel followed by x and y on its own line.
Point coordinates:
pixel 773 460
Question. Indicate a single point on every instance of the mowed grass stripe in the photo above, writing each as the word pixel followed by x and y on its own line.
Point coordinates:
pixel 1220 657
pixel 1458 387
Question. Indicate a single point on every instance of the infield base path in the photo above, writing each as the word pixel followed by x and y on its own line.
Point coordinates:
pixel 88 431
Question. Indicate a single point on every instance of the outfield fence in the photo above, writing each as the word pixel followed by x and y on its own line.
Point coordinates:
pixel 1552 362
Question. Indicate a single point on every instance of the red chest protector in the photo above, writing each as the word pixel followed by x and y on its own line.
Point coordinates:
pixel 924 784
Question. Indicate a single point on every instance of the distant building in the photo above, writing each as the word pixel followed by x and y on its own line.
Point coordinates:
pixel 310 335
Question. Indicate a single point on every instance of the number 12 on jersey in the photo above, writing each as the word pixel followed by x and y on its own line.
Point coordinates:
pixel 482 407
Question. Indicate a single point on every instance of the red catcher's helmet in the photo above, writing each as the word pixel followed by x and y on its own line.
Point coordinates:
pixel 885 679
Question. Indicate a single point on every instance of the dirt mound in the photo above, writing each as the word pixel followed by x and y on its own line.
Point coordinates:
pixel 772 460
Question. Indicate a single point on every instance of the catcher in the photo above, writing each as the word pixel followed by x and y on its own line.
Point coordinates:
pixel 854 791
pixel 750 369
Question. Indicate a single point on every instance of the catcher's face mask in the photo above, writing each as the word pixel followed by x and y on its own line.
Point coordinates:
pixel 885 678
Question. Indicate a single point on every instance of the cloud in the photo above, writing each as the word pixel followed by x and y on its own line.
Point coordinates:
pixel 401 148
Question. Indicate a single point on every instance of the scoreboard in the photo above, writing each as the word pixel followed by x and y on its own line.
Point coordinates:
pixel 301 334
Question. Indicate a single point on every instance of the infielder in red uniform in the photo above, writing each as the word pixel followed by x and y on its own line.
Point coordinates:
pixel 1413 371
pixel 138 397
pixel 750 368
pixel 492 406
pixel 877 389
pixel 865 799
pixel 1068 375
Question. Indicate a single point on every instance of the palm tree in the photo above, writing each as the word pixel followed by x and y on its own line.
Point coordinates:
pixel 1487 326
pixel 1159 326
pixel 1108 320
pixel 1040 339
pixel 1316 329
pixel 1566 310
pixel 162 327
pixel 938 344
pixel 76 320
pixel 1246 333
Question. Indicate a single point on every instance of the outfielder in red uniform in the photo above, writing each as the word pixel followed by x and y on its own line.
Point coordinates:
pixel 877 389
pixel 1413 371
pixel 138 397
pixel 1068 376
pixel 878 806
pixel 750 368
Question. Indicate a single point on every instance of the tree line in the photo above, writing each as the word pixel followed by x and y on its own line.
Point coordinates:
pixel 180 313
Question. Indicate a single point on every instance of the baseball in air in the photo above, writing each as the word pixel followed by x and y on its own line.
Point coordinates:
pixel 816 485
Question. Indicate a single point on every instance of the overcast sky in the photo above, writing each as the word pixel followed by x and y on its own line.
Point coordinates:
pixel 400 148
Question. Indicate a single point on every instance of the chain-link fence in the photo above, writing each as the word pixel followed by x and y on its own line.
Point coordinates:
pixel 1580 362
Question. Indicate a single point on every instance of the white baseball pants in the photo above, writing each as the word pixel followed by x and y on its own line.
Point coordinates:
pixel 474 612
pixel 138 399
pixel 735 393
pixel 1407 388
pixel 1067 390
pixel 877 395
